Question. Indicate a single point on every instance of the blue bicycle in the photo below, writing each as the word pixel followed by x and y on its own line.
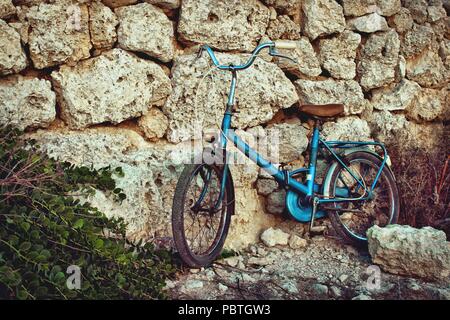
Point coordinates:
pixel 357 192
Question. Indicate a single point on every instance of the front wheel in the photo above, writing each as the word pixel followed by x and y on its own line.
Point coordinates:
pixel 381 209
pixel 200 222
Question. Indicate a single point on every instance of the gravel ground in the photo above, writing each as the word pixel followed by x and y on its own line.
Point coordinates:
pixel 324 269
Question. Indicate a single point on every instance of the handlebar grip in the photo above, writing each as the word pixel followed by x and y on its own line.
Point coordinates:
pixel 283 44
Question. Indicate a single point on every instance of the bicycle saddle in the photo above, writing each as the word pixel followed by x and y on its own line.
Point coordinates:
pixel 322 110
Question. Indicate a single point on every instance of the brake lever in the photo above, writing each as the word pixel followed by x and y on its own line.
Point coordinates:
pixel 273 53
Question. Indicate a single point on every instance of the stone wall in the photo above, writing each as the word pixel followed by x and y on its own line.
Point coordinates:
pixel 116 82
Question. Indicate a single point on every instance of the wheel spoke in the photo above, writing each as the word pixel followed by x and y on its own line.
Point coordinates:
pixel 202 227
pixel 377 210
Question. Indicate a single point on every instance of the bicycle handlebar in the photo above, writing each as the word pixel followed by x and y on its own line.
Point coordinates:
pixel 280 44
pixel 283 44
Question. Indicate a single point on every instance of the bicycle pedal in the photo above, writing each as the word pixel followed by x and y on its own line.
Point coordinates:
pixel 317 229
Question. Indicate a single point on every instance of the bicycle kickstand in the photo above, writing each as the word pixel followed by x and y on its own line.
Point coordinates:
pixel 312 228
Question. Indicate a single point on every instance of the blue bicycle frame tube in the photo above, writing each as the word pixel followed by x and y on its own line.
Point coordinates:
pixel 279 175
pixel 310 177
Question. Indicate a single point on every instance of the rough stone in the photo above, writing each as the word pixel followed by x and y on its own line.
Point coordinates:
pixel 357 8
pixel 59 33
pixel 402 21
pixel 232 261
pixel 436 13
pixel 445 115
pixel 26 102
pixel 395 97
pixel 193 284
pixel 102 25
pixel 417 40
pixel 30 3
pixel 292 140
pixel 307 65
pixel 428 105
pixel 388 8
pixel 400 71
pixel 145 28
pixel 361 7
pixel 118 3
pixel 337 55
pixel 427 69
pixel 112 87
pixel 347 129
pixel 408 251
pixel 347 92
pixel 322 17
pixel 370 23
pixel 418 9
pixel 283 28
pixel 444 52
pixel 395 128
pixel 250 220
pixel 7 9
pixel 441 28
pixel 12 56
pixel 379 59
pixel 343 277
pixel 290 286
pixel 296 242
pixel 22 29
pixel 166 4
pixel 154 124
pixel 320 290
pixel 289 7
pixel 198 99
pixel 362 296
pixel 275 202
pixel 336 292
pixel 266 186
pixel 260 261
pixel 222 287
pixel 231 25
pixel 272 237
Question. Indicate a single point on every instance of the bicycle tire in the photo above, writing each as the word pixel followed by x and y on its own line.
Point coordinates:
pixel 186 253
pixel 386 177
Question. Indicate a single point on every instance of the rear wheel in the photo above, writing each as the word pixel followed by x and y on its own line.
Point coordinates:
pixel 199 223
pixel 383 207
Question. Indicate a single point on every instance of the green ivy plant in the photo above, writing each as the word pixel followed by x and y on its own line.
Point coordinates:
pixel 45 228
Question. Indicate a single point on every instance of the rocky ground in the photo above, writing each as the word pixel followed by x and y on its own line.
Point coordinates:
pixel 321 268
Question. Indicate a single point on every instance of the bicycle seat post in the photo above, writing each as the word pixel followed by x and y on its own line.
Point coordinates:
pixel 317 123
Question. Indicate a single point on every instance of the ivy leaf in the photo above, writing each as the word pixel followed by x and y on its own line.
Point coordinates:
pixel 34 234
pixel 46 254
pixel 79 224
pixel 59 277
pixel 98 244
pixel 22 295
pixel 25 246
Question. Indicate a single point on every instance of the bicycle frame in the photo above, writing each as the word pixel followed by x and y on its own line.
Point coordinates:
pixel 284 177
